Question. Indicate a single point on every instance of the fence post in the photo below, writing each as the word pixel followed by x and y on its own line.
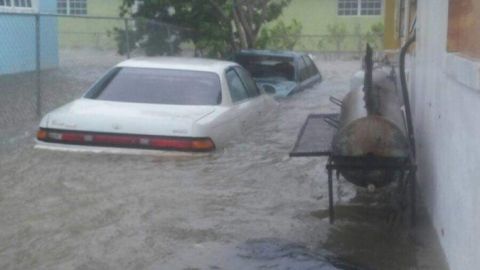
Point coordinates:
pixel 127 38
pixel 38 94
pixel 170 40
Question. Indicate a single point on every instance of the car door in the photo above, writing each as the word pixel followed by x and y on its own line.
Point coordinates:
pixel 239 96
pixel 256 101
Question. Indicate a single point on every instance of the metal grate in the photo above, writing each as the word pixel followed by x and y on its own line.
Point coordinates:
pixel 315 138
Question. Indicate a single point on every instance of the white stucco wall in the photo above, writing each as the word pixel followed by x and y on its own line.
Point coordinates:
pixel 445 95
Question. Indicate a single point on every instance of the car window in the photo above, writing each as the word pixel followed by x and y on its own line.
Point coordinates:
pixel 308 67
pixel 252 89
pixel 311 66
pixel 237 89
pixel 302 69
pixel 158 86
pixel 265 66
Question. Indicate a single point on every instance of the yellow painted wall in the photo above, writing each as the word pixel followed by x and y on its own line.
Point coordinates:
pixel 391 37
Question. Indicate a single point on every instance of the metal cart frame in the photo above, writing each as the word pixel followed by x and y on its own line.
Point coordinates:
pixel 314 140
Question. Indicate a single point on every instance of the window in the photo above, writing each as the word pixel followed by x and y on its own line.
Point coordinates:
pixel 265 66
pixel 464 28
pixel 371 7
pixel 72 7
pixel 158 86
pixel 252 88
pixel 235 84
pixel 16 5
pixel 359 7
pixel 347 7
pixel 302 70
pixel 312 69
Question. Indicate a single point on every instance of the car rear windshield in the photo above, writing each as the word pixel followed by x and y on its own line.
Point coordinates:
pixel 261 66
pixel 158 86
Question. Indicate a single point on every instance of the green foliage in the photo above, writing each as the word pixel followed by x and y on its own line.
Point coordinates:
pixel 162 25
pixel 320 46
pixel 280 36
pixel 120 36
pixel 374 35
pixel 337 34
pixel 215 27
pixel 153 37
pixel 378 28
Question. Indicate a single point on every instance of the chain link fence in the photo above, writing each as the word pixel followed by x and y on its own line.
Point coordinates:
pixel 48 60
pixel 328 45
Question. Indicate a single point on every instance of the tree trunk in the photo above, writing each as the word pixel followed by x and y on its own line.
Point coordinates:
pixel 241 31
pixel 245 25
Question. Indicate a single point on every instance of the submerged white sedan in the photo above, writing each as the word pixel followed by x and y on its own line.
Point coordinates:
pixel 165 103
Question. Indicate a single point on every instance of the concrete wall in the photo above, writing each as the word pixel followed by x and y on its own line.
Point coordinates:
pixel 446 106
pixel 18 37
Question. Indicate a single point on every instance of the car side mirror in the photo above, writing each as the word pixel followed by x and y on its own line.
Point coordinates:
pixel 268 89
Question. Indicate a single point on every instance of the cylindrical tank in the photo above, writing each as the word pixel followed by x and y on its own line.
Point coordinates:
pixel 374 130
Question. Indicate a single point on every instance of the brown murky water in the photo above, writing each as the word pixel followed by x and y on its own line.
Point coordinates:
pixel 248 206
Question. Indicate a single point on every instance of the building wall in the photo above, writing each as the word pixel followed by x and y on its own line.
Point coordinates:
pixel 18 50
pixel 316 15
pixel 17 53
pixel 92 33
pixel 391 37
pixel 446 102
pixel 49 57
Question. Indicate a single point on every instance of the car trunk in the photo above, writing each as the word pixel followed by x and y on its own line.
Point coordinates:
pixel 127 118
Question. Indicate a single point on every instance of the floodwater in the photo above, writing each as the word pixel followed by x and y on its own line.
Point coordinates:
pixel 247 206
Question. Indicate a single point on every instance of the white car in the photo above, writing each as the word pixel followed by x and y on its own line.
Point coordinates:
pixel 164 103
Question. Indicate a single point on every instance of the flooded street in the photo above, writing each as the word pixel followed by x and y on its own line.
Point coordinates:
pixel 247 206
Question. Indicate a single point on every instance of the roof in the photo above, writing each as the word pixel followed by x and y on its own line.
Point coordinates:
pixel 271 53
pixel 180 63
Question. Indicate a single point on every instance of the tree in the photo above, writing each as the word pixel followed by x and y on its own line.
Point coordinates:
pixel 216 27
pixel 374 35
pixel 280 36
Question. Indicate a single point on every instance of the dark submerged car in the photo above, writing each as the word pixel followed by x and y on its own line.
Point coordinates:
pixel 281 72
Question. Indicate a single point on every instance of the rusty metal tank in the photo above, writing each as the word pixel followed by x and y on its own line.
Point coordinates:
pixel 372 127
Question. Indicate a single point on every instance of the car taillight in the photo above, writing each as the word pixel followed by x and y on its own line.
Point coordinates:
pixel 170 143
pixel 203 144
pixel 42 134
pixel 70 137
pixel 115 139
pixel 135 141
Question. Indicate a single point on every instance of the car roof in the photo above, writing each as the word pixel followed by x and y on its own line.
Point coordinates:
pixel 271 53
pixel 180 63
